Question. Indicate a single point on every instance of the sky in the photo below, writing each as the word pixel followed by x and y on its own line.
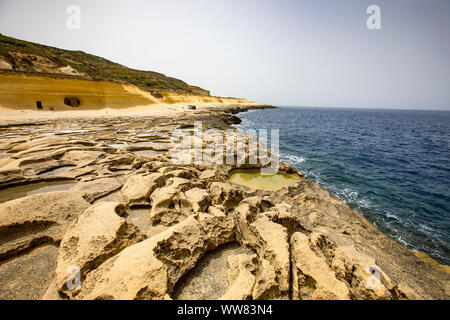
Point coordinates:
pixel 282 52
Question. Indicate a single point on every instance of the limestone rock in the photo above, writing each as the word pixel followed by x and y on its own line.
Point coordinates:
pixel 199 199
pixel 270 240
pixel 170 203
pixel 118 159
pixel 208 174
pixel 135 273
pixel 149 269
pixel 99 233
pixel 44 141
pixel 185 210
pixel 271 243
pixel 10 172
pixel 312 277
pixel 43 218
pixel 182 185
pixel 179 172
pixel 241 277
pixel 218 228
pixel 138 188
pixel 324 269
pixel 181 248
pixel 217 211
pixel 225 194
pixel 287 218
pixel 266 282
pixel 152 166
pixel 80 157
pixel 367 280
pixel 95 189
pixel 245 214
pixel 404 292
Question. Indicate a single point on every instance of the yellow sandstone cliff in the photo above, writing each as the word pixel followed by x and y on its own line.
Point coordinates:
pixel 19 91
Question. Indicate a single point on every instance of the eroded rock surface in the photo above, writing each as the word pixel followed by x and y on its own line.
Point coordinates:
pixel 31 221
pixel 138 188
pixel 151 268
pixel 98 234
pixel 209 278
pixel 139 225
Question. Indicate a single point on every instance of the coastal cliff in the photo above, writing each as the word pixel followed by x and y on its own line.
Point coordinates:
pixel 47 92
pixel 42 78
pixel 102 196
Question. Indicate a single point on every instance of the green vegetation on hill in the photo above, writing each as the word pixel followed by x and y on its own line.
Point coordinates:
pixel 33 57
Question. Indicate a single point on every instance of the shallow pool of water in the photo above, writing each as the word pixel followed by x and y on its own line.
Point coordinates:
pixel 253 179
pixel 12 193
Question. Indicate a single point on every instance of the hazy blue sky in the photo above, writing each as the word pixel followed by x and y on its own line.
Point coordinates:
pixel 302 53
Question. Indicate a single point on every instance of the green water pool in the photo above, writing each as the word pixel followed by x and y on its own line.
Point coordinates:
pixel 253 179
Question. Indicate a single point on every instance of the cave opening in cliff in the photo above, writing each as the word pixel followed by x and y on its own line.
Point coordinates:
pixel 72 101
pixel 39 105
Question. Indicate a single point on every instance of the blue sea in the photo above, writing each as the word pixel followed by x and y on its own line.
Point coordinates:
pixel 392 166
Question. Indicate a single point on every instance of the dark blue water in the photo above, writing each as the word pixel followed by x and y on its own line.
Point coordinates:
pixel 392 166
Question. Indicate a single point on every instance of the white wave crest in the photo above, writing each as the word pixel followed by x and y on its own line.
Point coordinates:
pixel 292 159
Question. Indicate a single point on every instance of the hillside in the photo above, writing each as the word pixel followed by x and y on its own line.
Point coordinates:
pixel 26 56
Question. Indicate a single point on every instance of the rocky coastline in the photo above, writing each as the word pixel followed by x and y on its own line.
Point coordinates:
pixel 94 208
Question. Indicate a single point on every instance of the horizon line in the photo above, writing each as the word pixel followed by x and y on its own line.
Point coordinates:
pixel 368 108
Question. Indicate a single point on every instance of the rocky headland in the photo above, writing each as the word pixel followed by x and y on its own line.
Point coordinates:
pixel 101 197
